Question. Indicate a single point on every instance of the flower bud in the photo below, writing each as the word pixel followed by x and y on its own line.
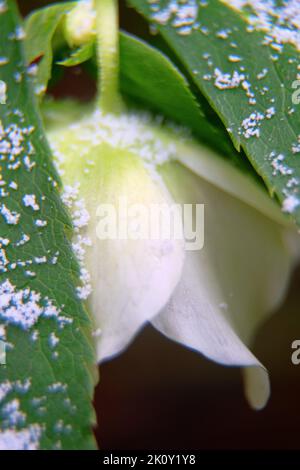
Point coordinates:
pixel 132 268
pixel 80 22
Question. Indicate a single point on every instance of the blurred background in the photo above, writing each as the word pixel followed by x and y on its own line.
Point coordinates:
pixel 159 395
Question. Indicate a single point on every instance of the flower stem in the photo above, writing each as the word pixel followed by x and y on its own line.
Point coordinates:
pixel 108 55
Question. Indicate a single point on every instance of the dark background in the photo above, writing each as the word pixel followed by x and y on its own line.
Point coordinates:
pixel 159 395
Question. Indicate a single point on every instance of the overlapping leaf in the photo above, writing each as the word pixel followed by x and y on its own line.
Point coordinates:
pixel 146 75
pixel 247 73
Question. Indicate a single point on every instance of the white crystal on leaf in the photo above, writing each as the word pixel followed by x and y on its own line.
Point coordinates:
pixel 249 249
pixel 3 92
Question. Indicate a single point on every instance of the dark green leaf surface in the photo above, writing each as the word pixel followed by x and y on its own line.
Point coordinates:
pixel 247 76
pixel 46 386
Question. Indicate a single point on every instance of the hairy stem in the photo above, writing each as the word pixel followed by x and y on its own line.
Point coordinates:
pixel 108 55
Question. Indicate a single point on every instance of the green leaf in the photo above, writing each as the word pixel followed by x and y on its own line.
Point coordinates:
pixel 40 28
pixel 47 383
pixel 225 292
pixel 247 76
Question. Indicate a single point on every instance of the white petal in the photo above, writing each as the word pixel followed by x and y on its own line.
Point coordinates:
pixel 132 279
pixel 232 284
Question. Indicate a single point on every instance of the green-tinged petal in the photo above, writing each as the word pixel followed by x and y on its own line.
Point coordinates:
pixel 131 280
pixel 257 386
pixel 232 284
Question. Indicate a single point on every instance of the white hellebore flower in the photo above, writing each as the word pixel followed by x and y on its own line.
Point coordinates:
pixel 211 300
